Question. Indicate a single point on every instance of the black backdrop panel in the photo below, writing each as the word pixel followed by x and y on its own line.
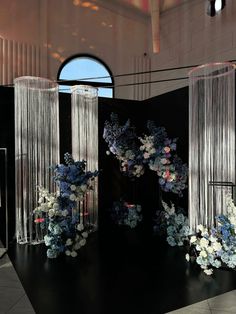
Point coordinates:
pixel 7 140
pixel 168 110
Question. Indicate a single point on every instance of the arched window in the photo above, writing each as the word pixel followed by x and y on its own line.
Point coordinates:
pixel 86 68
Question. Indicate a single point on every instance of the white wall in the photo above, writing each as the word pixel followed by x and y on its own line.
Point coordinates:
pixel 114 38
pixel 190 37
pixel 120 37
pixel 63 29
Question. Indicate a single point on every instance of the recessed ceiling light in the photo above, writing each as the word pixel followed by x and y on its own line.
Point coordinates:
pixel 215 6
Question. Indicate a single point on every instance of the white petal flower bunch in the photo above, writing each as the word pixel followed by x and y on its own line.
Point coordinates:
pixel 216 247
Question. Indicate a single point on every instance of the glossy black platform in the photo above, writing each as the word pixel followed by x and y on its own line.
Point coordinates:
pixel 116 272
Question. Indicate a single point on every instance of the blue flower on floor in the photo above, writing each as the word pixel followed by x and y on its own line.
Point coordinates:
pixel 174 223
pixel 125 214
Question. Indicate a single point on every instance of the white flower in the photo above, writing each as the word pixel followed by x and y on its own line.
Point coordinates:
pixel 204 242
pixel 210 249
pixel 198 248
pixel 73 254
pixel 85 234
pixel 200 228
pixel 67 252
pixel 164 161
pixel 51 199
pixel 44 207
pixel 203 254
pixel 80 227
pixel 76 246
pixel 68 242
pixel 187 257
pixel 108 152
pixel 208 271
pixel 152 151
pixel 40 201
pixel 193 239
pixel 146 155
pixel 55 206
pixel 169 210
pixel 64 212
pixel 83 187
pixel 73 187
pixel 82 242
pixel 212 239
pixel 72 197
pixel 51 212
pixel 216 246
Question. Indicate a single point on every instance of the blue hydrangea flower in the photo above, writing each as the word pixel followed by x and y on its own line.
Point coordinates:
pixel 52 253
pixel 171 241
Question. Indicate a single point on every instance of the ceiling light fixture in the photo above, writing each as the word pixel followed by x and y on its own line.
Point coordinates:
pixel 215 6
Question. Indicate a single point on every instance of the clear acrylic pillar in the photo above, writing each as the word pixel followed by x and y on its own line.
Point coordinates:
pixel 211 141
pixel 84 124
pixel 36 149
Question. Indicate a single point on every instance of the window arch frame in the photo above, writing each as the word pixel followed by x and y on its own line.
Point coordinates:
pixel 86 82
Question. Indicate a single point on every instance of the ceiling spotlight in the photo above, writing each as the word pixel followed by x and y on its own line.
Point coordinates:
pixel 215 6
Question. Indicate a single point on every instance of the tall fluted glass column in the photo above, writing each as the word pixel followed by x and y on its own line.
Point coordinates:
pixel 36 149
pixel 211 141
pixel 84 124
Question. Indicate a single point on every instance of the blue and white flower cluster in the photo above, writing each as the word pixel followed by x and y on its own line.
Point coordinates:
pixel 157 151
pixel 124 144
pixel 57 212
pixel 217 247
pixel 126 214
pixel 65 235
pixel 73 182
pixel 159 154
pixel 174 223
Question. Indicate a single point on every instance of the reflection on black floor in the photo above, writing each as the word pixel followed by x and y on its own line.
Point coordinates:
pixel 117 272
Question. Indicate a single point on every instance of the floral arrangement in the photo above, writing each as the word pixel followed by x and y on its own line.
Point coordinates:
pixel 73 182
pixel 124 144
pixel 173 223
pixel 158 152
pixel 126 214
pixel 216 247
pixel 57 212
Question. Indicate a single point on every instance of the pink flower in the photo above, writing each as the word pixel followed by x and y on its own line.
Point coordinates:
pixel 167 149
pixel 164 161
pixel 38 220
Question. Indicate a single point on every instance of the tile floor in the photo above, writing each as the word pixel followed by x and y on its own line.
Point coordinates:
pixel 13 299
pixel 222 304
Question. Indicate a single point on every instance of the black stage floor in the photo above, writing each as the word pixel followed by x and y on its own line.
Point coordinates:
pixel 116 272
